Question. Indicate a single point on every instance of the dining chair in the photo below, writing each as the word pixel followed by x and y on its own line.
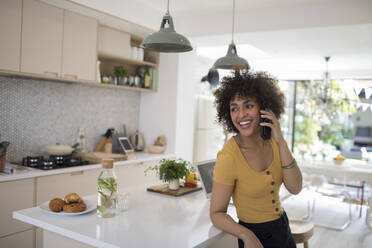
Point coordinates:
pixel 320 186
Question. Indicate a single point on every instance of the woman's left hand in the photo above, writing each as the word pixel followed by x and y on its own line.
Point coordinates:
pixel 276 133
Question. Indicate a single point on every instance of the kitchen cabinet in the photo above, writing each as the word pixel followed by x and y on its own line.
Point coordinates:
pixel 79 58
pixel 114 49
pixel 15 195
pixel 10 30
pixel 82 182
pixel 42 27
pixel 22 239
pixel 113 42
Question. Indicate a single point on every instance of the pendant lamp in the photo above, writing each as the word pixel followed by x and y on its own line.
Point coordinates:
pixel 232 61
pixel 166 40
pixel 326 82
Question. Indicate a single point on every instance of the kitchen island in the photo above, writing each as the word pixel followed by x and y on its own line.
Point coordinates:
pixel 33 187
pixel 152 220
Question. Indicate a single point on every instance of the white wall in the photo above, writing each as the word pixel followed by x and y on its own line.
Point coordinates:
pixel 158 110
pixel 170 111
pixel 186 90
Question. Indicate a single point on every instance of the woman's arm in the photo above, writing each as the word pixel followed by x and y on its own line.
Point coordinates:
pixel 292 177
pixel 218 213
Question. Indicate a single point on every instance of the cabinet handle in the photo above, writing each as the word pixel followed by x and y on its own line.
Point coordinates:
pixel 50 74
pixel 70 76
pixel 76 173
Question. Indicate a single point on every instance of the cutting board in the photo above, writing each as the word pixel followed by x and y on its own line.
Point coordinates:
pixel 96 157
pixel 163 189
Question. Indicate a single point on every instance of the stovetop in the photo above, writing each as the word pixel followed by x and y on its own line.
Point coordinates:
pixel 52 162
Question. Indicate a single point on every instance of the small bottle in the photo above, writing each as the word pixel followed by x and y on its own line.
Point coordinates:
pixel 81 140
pixel 107 190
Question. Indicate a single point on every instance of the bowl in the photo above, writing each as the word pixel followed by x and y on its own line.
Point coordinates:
pixel 58 150
pixel 338 161
pixel 156 149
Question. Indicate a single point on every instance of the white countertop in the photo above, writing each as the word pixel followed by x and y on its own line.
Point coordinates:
pixel 137 157
pixel 153 220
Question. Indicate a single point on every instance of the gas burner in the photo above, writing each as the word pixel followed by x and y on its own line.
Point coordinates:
pixel 32 161
pixel 53 162
pixel 47 164
pixel 58 159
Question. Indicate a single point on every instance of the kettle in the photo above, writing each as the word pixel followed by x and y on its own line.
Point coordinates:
pixel 138 141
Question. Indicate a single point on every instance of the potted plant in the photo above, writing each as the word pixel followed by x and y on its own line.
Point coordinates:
pixel 120 73
pixel 171 171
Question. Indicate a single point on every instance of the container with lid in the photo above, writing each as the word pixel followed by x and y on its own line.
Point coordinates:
pixel 107 190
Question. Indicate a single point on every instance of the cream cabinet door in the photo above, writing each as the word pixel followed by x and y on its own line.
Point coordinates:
pixel 113 42
pixel 15 195
pixel 81 182
pixel 10 34
pixel 79 46
pixel 19 240
pixel 41 38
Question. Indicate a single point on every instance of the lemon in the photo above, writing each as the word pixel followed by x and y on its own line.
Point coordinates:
pixel 191 178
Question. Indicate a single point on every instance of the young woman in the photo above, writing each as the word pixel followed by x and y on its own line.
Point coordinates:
pixel 250 168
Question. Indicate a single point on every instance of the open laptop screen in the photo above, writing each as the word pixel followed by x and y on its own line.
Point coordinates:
pixel 205 169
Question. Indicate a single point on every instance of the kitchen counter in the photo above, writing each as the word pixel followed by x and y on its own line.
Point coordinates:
pixel 152 220
pixel 137 157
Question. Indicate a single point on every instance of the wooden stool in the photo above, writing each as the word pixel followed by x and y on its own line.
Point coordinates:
pixel 302 231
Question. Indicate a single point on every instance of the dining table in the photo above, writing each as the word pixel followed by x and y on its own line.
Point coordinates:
pixel 344 171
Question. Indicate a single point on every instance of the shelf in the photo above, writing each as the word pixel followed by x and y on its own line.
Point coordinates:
pixel 104 56
pixel 73 81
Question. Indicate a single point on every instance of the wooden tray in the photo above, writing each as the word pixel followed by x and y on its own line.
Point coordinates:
pixel 163 189
pixel 96 157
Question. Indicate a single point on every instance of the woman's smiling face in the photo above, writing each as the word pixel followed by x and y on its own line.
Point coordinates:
pixel 244 113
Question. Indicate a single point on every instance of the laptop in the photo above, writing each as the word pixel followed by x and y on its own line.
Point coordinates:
pixel 205 171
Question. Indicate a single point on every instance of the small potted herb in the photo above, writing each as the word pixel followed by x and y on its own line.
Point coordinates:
pixel 171 171
pixel 120 73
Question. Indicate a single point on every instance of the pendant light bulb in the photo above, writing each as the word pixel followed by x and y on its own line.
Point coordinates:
pixel 166 40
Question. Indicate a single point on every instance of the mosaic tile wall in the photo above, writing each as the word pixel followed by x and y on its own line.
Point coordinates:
pixel 35 113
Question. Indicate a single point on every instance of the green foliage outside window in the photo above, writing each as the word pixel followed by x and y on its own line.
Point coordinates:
pixel 319 112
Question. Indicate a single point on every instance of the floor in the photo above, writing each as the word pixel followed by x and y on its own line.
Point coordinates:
pixel 331 211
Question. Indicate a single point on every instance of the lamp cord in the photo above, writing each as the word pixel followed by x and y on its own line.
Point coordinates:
pixel 233 22
pixel 168 7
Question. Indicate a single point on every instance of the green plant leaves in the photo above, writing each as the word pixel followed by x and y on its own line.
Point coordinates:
pixel 169 169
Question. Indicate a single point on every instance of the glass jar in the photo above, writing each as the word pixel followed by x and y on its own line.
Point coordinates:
pixel 81 140
pixel 107 190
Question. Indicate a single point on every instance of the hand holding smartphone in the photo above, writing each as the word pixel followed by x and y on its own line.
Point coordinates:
pixel 265 132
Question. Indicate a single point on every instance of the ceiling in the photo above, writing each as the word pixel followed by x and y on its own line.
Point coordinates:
pixel 286 37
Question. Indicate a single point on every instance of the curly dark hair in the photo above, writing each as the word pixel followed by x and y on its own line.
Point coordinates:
pixel 257 85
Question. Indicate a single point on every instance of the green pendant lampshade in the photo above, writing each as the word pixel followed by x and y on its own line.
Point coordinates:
pixel 166 40
pixel 232 61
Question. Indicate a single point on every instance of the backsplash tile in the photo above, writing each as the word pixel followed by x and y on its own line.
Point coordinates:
pixel 35 113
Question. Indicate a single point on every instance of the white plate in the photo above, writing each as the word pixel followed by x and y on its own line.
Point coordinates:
pixel 90 207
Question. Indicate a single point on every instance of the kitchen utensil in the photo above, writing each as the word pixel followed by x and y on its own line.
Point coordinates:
pixel 138 141
pixel 100 147
pixel 96 157
pixel 156 149
pixel 58 149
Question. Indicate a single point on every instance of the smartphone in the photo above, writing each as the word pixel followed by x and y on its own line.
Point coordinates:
pixel 265 132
